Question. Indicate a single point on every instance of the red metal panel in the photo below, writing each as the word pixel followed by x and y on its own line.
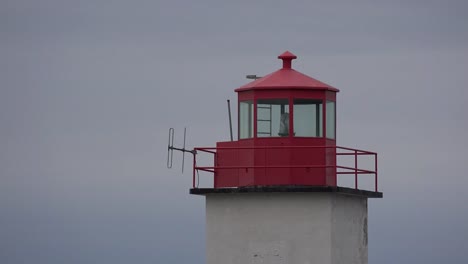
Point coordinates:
pixel 246 159
pixel 272 159
pixel 275 161
pixel 330 162
pixel 226 158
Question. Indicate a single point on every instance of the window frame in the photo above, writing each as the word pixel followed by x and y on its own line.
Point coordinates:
pixel 328 121
pixel 251 119
pixel 287 109
pixel 319 115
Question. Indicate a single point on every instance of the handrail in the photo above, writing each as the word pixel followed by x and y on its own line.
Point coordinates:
pixel 280 147
pixel 349 170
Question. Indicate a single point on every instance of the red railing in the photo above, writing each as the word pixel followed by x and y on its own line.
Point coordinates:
pixel 339 169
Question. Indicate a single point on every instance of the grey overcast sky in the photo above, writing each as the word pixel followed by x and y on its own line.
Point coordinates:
pixel 89 88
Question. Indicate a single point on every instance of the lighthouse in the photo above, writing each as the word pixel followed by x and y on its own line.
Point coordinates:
pixel 275 196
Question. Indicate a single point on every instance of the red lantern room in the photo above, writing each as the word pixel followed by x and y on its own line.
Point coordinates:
pixel 286 134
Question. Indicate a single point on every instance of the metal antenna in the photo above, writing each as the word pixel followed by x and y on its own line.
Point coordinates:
pixel 230 120
pixel 183 152
pixel 171 148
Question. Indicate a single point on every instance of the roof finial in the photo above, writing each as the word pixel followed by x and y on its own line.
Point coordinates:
pixel 287 58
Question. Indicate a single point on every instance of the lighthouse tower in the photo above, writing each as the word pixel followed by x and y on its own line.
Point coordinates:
pixel 275 197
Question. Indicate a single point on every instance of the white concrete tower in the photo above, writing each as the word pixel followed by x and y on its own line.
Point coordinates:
pixel 275 197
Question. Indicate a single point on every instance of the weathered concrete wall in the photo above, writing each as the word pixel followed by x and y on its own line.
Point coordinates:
pixel 349 229
pixel 274 228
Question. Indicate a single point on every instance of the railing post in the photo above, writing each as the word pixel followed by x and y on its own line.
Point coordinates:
pixel 336 166
pixel 355 170
pixel 376 177
pixel 193 176
pixel 265 161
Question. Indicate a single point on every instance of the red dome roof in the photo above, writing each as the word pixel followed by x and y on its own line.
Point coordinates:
pixel 286 78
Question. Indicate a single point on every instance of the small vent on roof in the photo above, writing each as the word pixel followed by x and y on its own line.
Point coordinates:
pixel 287 58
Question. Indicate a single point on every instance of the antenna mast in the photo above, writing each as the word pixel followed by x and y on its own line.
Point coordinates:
pixel 230 120
pixel 171 148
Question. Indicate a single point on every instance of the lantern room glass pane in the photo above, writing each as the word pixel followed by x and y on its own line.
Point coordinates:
pixel 272 118
pixel 246 119
pixel 331 119
pixel 308 118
